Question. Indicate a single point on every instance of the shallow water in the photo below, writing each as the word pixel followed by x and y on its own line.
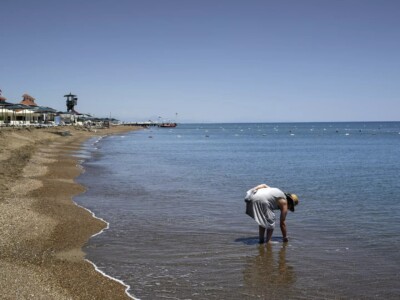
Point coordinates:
pixel 174 201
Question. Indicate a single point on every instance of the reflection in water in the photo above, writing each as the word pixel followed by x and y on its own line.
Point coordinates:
pixel 268 274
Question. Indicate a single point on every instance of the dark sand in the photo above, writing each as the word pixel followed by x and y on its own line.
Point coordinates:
pixel 41 230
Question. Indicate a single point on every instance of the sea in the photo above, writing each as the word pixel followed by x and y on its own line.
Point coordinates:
pixel 174 202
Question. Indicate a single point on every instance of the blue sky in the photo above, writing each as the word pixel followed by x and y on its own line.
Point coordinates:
pixel 208 61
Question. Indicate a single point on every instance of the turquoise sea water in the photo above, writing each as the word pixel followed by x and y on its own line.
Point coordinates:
pixel 174 201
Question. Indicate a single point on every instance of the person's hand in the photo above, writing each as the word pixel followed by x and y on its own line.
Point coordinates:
pixel 285 240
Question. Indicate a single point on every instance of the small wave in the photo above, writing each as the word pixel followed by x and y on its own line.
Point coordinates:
pixel 127 287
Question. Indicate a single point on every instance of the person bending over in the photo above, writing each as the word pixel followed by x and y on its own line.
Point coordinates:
pixel 262 201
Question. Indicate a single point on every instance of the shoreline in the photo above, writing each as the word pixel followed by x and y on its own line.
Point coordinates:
pixel 127 287
pixel 42 230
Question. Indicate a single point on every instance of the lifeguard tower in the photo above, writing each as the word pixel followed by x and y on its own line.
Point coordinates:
pixel 72 100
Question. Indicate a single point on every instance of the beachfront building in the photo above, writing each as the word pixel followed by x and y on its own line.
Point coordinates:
pixel 25 113
pixel 75 118
pixel 66 118
pixel 5 112
pixel 44 114
pixel 21 115
pixel 28 113
pixel 39 114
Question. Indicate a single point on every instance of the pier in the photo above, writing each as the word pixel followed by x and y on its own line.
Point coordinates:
pixel 150 123
pixel 143 124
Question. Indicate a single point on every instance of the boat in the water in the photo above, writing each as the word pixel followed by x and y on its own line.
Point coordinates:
pixel 167 125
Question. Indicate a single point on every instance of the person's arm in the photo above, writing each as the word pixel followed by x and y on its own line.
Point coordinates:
pixel 284 209
pixel 261 186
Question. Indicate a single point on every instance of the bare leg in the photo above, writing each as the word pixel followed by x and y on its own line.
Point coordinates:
pixel 269 234
pixel 261 232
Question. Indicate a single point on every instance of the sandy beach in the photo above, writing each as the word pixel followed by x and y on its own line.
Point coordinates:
pixel 41 230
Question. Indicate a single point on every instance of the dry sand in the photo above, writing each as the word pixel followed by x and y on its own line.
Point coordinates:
pixel 41 230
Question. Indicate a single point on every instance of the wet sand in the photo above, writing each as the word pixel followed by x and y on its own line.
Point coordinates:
pixel 41 230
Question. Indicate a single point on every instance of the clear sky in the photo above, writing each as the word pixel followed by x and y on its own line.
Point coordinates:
pixel 208 61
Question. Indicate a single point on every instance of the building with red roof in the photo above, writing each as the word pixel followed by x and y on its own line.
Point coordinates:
pixel 28 100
